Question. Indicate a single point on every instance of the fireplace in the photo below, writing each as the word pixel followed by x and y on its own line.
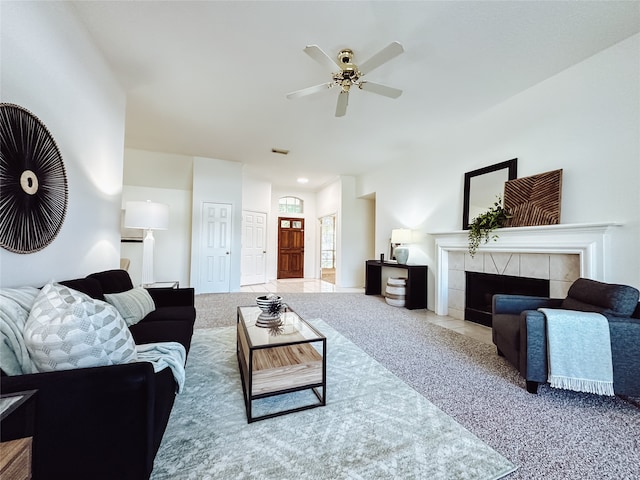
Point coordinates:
pixel 560 253
pixel 480 288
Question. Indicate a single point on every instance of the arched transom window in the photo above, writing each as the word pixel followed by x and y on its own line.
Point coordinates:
pixel 290 205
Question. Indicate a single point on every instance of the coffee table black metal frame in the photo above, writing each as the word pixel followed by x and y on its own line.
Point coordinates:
pixel 246 362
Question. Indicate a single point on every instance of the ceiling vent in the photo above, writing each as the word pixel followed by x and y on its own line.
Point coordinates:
pixel 281 151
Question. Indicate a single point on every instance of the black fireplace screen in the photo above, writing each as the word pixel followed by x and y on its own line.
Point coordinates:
pixel 480 288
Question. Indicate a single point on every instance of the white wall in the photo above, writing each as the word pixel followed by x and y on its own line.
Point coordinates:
pixel 51 67
pixel 355 235
pixel 157 169
pixel 585 120
pixel 329 199
pixel 217 181
pixel 172 250
pixel 256 195
pixel 355 220
pixel 164 178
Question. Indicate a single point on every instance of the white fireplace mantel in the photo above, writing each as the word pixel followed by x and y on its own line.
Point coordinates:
pixel 589 241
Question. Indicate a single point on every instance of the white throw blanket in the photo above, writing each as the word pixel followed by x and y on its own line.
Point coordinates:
pixel 15 305
pixel 579 351
pixel 163 355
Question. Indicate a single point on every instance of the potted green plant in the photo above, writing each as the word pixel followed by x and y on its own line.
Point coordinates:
pixel 482 226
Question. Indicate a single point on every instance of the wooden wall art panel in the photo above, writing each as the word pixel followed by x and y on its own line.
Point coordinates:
pixel 534 200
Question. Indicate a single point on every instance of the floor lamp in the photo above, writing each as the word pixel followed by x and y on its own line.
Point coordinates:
pixel 148 216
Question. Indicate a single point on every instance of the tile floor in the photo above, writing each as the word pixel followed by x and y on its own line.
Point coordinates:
pixel 296 285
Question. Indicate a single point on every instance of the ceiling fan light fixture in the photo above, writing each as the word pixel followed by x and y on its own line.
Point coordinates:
pixel 349 74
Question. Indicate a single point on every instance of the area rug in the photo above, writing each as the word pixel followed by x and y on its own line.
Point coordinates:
pixel 374 426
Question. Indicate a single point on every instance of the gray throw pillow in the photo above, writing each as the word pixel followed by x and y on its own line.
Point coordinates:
pixel 133 305
pixel 67 329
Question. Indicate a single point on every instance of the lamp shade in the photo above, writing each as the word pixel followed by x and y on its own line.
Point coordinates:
pixel 146 215
pixel 401 235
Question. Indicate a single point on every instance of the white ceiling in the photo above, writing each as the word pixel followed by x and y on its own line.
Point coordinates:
pixel 209 78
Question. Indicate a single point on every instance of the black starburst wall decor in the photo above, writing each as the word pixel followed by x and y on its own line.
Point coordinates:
pixel 33 182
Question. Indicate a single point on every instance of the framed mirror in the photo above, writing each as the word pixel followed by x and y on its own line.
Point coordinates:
pixel 482 186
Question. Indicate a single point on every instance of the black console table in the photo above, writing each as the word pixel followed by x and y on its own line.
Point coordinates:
pixel 416 293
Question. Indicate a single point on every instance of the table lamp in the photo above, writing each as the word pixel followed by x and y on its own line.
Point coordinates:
pixel 400 236
pixel 148 216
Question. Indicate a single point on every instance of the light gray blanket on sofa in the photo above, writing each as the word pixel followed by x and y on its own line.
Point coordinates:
pixel 579 350
pixel 15 305
pixel 163 355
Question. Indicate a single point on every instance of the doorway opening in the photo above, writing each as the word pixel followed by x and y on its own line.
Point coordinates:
pixel 328 248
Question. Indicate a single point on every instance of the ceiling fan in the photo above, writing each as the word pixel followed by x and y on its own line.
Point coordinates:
pixel 350 74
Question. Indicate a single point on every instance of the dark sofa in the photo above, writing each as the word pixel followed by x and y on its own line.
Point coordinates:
pixel 107 422
pixel 519 330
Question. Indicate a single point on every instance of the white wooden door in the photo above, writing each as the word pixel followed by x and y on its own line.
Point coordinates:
pixel 215 248
pixel 254 248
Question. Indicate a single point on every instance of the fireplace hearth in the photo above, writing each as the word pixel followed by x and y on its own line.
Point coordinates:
pixel 480 288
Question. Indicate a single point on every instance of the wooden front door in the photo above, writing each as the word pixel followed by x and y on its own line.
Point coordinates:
pixel 290 247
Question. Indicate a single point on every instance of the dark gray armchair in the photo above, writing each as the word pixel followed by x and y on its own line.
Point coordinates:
pixel 519 330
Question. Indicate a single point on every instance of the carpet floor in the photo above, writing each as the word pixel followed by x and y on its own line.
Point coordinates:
pixel 374 426
pixel 556 434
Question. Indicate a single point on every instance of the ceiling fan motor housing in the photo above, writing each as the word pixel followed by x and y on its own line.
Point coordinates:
pixel 345 55
pixel 349 74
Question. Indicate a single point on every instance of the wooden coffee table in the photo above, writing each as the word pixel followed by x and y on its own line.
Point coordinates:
pixel 276 364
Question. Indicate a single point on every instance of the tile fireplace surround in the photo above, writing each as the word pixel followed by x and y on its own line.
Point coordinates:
pixel 559 253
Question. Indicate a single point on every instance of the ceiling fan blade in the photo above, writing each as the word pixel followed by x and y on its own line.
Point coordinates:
pixel 309 90
pixel 343 101
pixel 381 89
pixel 315 52
pixel 387 53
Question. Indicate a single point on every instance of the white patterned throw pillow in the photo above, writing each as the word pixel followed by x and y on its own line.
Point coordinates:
pixel 67 329
pixel 133 305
